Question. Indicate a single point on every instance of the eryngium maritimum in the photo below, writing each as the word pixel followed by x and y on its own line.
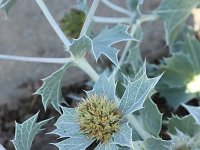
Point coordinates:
pixel 98 118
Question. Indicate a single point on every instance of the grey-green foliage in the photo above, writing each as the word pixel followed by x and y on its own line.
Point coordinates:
pixel 174 13
pixel 5 5
pixel 134 96
pixel 131 99
pixel 184 132
pixel 151 117
pixel 194 111
pixel 51 88
pixel 180 70
pixel 25 132
pixel 102 42
pixel 157 144
pixel 80 46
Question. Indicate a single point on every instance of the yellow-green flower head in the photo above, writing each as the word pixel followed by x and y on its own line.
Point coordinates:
pixel 98 118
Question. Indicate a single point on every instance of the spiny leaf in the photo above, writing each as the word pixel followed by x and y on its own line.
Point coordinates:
pixel 51 90
pixel 180 70
pixel 74 143
pixel 138 145
pixel 80 46
pixel 104 87
pixel 6 4
pixel 107 146
pixel 194 111
pixel 102 43
pixel 157 144
pixel 151 117
pixel 174 13
pixel 66 125
pixel 136 93
pixel 25 133
pixel 181 141
pixel 124 136
pixel 185 124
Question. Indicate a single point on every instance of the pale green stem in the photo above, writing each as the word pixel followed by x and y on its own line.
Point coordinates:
pixel 53 23
pixel 125 51
pixel 87 68
pixel 117 8
pixel 89 17
pixel 134 27
pixel 99 19
pixel 36 59
pixel 134 122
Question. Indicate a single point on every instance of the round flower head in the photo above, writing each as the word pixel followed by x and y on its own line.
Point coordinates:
pixel 98 118
pixel 101 115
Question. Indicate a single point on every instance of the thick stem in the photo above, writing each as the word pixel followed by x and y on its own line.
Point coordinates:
pixel 117 8
pixel 36 59
pixel 111 20
pixel 88 69
pixel 137 126
pixel 89 17
pixel 53 23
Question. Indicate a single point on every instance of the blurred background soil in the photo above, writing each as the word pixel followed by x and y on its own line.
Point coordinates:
pixel 26 32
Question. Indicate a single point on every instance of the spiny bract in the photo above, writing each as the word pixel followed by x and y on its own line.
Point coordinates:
pixel 98 118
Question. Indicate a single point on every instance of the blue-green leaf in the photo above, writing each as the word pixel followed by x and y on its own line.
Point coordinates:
pixel 6 4
pixel 185 124
pixel 194 111
pixel 157 144
pixel 51 90
pixel 136 93
pixel 151 117
pixel 138 145
pixel 181 72
pixel 25 133
pixel 66 125
pixel 104 87
pixel 107 146
pixel 124 136
pixel 174 13
pixel 102 43
pixel 80 46
pixel 80 142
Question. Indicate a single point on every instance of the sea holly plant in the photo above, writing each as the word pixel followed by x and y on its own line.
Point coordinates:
pixel 181 80
pixel 119 111
pixel 174 14
pixel 103 117
pixel 184 133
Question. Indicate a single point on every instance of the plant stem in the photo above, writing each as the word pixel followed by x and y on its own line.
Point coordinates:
pixel 36 59
pixel 89 17
pixel 88 69
pixel 134 122
pixel 111 20
pixel 53 23
pixel 125 51
pixel 117 8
